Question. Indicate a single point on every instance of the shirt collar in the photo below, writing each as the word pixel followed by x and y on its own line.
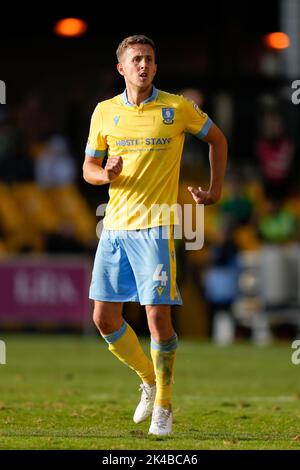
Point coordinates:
pixel 152 97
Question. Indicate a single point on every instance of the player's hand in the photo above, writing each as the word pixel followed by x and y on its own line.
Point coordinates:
pixel 204 197
pixel 113 167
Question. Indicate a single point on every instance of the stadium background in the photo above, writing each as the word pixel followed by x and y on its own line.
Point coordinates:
pixel 244 84
pixel 60 388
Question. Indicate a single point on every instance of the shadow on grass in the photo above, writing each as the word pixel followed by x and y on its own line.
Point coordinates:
pixel 192 434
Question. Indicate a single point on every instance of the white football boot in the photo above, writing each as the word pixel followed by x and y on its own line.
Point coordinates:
pixel 162 419
pixel 145 406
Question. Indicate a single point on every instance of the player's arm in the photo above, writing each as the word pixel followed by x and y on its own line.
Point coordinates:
pixel 217 159
pixel 94 173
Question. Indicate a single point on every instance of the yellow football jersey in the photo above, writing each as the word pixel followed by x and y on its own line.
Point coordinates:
pixel 150 139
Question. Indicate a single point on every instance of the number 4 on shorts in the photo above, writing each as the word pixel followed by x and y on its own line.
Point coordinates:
pixel 160 275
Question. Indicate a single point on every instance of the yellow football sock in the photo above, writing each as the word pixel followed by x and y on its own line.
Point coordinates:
pixel 125 345
pixel 163 357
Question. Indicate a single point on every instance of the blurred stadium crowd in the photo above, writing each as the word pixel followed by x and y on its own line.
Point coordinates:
pixel 45 207
pixel 248 272
pixel 42 188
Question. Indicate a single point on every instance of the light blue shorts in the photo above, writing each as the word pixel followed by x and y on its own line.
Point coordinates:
pixel 136 266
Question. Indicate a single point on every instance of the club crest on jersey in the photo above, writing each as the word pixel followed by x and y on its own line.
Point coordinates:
pixel 116 120
pixel 168 115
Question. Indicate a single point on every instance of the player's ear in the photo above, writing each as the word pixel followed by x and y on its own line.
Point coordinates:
pixel 120 69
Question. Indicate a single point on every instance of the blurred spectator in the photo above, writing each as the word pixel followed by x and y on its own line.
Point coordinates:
pixel 275 152
pixel 221 278
pixel 278 225
pixel 63 240
pixel 75 121
pixel 34 122
pixel 55 166
pixel 194 95
pixel 236 205
pixel 193 152
pixel 14 165
pixel 8 135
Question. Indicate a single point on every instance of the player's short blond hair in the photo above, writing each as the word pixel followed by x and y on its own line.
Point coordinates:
pixel 131 41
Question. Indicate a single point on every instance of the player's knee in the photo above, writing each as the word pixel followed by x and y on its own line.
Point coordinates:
pixel 160 327
pixel 161 333
pixel 105 323
pixel 100 321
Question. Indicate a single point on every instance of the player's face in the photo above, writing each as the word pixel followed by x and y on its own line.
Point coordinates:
pixel 138 65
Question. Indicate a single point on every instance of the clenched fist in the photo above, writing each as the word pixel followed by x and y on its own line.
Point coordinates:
pixel 203 197
pixel 113 167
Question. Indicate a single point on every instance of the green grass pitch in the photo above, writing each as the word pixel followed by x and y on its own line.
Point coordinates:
pixel 67 392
